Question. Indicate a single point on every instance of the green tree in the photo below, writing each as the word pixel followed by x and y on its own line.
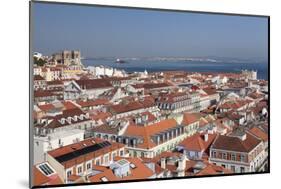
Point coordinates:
pixel 39 62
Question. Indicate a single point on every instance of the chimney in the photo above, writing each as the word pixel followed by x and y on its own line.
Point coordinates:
pixel 49 121
pixel 206 137
pixel 243 137
pixel 163 163
pixel 181 166
pixel 182 163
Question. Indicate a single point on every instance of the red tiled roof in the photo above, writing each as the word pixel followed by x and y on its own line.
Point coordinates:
pixel 100 115
pixel 93 83
pixel 96 102
pixel 38 77
pixel 105 172
pixel 73 178
pixel 80 145
pixel 233 143
pixel 189 118
pixel 43 94
pixel 141 171
pixel 172 97
pixel 131 106
pixel 197 143
pixel 212 169
pixel 210 91
pixel 55 82
pixel 68 105
pixel 39 178
pixel 259 133
pixel 147 131
pixel 152 85
pixel 46 107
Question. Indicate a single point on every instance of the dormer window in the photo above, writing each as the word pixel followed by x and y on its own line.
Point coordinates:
pixel 62 121
pixel 121 153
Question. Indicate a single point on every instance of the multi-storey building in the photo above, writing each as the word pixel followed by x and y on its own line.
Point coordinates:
pixel 99 71
pixel 76 162
pixel 143 136
pixel 46 96
pixel 39 82
pixel 51 73
pixel 249 74
pixel 44 174
pixel 129 168
pixel 190 121
pixel 196 147
pixel 176 102
pixel 125 108
pixel 240 152
pixel 51 141
pixel 62 121
pixel 208 97
pixel 90 88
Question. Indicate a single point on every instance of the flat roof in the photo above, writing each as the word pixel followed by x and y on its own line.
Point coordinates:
pixel 83 151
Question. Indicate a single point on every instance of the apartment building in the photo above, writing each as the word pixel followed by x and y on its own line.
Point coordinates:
pixel 240 152
pixel 76 162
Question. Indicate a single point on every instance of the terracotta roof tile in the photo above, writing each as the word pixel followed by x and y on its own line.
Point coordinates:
pixel 197 143
pixel 189 118
pixel 233 143
pixel 259 133
pixel 141 171
pixel 146 132
pixel 93 83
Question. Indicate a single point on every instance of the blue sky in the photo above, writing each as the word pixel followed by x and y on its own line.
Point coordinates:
pixel 118 32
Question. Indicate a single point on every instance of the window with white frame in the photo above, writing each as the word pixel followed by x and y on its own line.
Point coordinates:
pixel 121 153
pixel 242 157
pixel 224 156
pixel 68 173
pixel 106 159
pixel 232 168
pixel 114 154
pixel 233 157
pixel 88 165
pixel 79 170
pixel 97 161
pixel 214 154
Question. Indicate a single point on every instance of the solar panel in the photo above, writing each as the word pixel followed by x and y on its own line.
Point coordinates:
pixel 46 169
pixel 83 151
pixel 122 162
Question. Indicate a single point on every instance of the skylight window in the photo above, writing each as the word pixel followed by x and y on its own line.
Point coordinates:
pixel 46 169
pixel 133 166
pixel 104 179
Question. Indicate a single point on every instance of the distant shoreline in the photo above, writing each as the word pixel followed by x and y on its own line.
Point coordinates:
pixel 182 59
